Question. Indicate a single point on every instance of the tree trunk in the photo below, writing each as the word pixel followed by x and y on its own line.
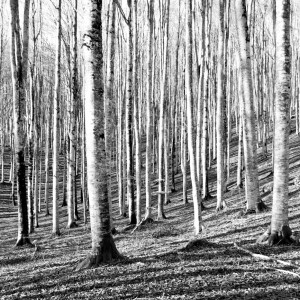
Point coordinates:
pixel 110 77
pixel 280 230
pixel 148 153
pixel 103 246
pixel 56 122
pixel 136 113
pixel 162 107
pixel 189 97
pixel 129 123
pixel 19 62
pixel 220 113
pixel 254 202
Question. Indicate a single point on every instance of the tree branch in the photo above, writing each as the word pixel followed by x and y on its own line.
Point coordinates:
pixel 121 11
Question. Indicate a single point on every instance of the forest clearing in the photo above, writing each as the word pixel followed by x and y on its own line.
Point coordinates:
pixel 149 149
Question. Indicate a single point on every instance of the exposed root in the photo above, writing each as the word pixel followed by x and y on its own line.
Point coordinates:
pixel 202 206
pixel 221 207
pixel 282 237
pixel 161 216
pixel 76 216
pixel 72 224
pixel 23 241
pixel 143 222
pixel 262 239
pixel 105 252
pixel 240 185
pixel 167 202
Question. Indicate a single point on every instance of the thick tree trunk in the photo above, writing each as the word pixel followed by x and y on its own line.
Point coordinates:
pixel 103 246
pixel 280 230
pixel 110 77
pixel 19 62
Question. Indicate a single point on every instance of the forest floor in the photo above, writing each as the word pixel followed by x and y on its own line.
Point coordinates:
pixel 158 263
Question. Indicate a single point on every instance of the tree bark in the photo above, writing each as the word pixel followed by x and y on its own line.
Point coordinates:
pixel 103 246
pixel 56 135
pixel 250 146
pixel 19 62
pixel 189 97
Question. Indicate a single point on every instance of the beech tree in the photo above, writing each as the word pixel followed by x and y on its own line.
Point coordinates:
pixel 56 122
pixel 280 231
pixel 19 65
pixel 189 97
pixel 253 199
pixel 103 246
pixel 148 153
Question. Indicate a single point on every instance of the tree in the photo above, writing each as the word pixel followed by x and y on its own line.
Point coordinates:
pixel 220 113
pixel 19 64
pixel 136 112
pixel 72 128
pixel 280 231
pixel 129 120
pixel 164 29
pixel 254 203
pixel 110 78
pixel 148 109
pixel 189 97
pixel 103 246
pixel 56 118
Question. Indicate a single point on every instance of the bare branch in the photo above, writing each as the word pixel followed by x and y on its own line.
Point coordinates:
pixel 121 11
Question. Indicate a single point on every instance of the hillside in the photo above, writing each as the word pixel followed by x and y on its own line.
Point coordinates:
pixel 159 262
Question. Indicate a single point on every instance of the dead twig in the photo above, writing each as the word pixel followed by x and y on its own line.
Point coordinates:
pixel 265 257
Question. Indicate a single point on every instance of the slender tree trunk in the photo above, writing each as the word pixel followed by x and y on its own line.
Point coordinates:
pixel 220 113
pixel 148 153
pixel 136 113
pixel 47 150
pixel 189 97
pixel 56 121
pixel 110 94
pixel 129 123
pixel 254 202
pixel 162 107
